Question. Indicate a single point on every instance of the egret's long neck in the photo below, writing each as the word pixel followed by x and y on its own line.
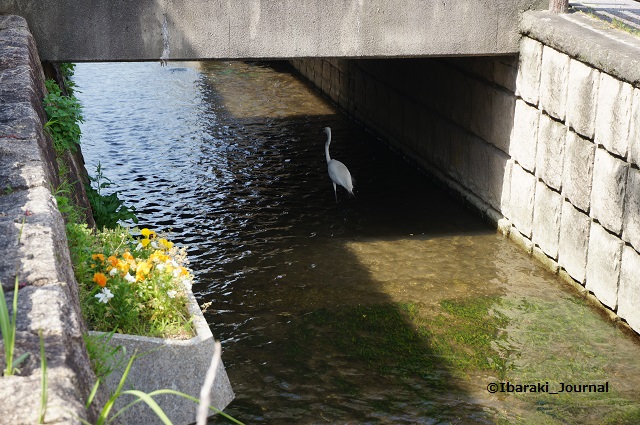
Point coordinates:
pixel 326 146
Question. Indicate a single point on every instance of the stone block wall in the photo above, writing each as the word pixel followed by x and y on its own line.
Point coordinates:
pixel 34 247
pixel 546 144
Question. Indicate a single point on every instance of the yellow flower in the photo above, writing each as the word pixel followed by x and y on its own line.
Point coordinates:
pixel 167 244
pixel 100 279
pixel 98 257
pixel 123 266
pixel 148 234
pixel 158 257
pixel 142 270
pixel 127 256
pixel 144 242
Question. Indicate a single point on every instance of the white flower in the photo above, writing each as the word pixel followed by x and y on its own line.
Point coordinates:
pixel 172 294
pixel 113 272
pixel 139 247
pixel 161 266
pixel 155 245
pixel 104 296
pixel 129 278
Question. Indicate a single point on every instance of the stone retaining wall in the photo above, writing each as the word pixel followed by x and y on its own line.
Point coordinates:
pixel 544 144
pixel 34 246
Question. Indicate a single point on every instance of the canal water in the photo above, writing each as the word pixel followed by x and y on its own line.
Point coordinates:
pixel 397 306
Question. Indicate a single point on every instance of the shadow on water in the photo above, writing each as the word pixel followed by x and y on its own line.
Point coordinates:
pixel 309 332
pixel 398 306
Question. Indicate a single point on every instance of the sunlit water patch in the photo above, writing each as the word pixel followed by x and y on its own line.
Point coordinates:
pixel 396 306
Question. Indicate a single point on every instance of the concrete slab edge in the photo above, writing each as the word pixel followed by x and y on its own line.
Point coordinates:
pixel 588 40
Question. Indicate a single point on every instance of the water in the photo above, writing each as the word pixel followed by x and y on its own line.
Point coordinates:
pixel 398 306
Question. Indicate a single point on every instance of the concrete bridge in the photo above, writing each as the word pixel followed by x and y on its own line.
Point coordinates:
pixel 124 30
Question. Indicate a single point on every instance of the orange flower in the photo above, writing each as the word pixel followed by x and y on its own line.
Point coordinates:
pixel 100 279
pixel 98 257
pixel 127 256
pixel 113 260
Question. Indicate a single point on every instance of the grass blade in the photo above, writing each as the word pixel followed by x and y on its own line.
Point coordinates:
pixel 44 396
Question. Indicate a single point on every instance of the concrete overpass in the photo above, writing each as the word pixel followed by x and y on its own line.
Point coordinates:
pixel 123 30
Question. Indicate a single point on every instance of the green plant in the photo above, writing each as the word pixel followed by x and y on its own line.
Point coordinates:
pixel 104 357
pixel 8 325
pixel 131 285
pixel 104 418
pixel 44 396
pixel 66 206
pixel 68 70
pixel 8 329
pixel 64 113
pixel 108 210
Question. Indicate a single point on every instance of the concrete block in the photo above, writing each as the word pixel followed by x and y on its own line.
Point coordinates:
pixel 442 145
pixel 634 129
pixel 396 110
pixel 505 72
pixel 631 217
pixel 481 109
pixel 165 355
pixel 550 151
pixel 524 135
pixel 554 82
pixel 461 96
pixel 529 65
pixel 360 96
pixel 546 219
pixel 546 262
pixel 603 265
pixel 325 82
pixel 521 240
pixel 608 190
pixel 383 109
pixel 613 117
pixel 426 134
pixel 574 241
pixel 505 197
pixel 521 199
pixel 577 175
pixel 478 170
pixel 582 95
pixel 335 84
pixel 629 292
pixel 459 162
pixel 504 105
pixel 411 124
pixel 499 170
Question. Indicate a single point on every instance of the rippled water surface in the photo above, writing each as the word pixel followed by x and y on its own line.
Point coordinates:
pixel 396 306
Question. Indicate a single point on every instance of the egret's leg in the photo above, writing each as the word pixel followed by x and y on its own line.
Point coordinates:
pixel 335 190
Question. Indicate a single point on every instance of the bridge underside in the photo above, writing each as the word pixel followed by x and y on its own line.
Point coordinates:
pixel 124 30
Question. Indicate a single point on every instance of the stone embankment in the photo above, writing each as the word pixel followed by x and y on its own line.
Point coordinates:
pixel 546 144
pixel 34 247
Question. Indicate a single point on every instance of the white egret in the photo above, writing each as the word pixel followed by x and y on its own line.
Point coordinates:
pixel 338 172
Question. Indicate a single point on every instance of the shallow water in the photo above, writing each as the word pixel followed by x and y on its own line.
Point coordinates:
pixel 396 306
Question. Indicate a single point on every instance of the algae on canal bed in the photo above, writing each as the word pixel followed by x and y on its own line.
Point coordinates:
pixel 462 345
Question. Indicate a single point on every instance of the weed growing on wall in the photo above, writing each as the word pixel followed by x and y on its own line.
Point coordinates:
pixel 108 210
pixel 64 114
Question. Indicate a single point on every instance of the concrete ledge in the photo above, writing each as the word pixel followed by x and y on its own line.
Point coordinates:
pixel 170 364
pixel 48 298
pixel 587 40
pixel 103 30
